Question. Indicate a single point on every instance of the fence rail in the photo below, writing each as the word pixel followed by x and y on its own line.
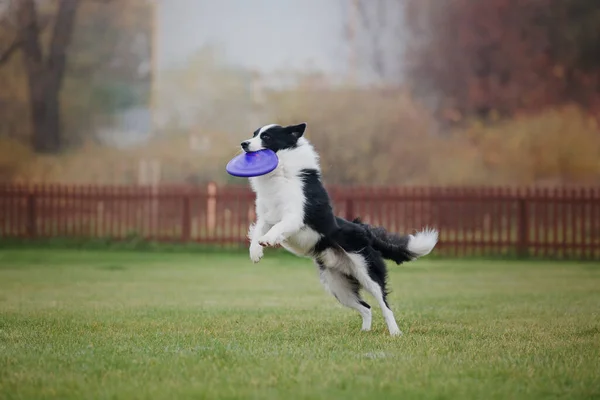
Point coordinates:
pixel 557 223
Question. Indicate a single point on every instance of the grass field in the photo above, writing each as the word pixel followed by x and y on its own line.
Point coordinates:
pixel 127 325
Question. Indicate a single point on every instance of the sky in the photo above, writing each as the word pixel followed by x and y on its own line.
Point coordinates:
pixel 267 35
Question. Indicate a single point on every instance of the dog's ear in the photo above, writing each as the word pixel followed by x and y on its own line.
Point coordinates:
pixel 296 130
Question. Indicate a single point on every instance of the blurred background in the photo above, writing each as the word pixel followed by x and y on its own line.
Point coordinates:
pixel 395 92
pixel 480 118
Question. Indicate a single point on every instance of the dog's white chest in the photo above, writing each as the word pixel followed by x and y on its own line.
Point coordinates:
pixel 278 196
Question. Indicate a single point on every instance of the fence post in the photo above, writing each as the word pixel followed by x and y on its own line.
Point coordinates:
pixel 31 215
pixel 523 227
pixel 211 208
pixel 186 222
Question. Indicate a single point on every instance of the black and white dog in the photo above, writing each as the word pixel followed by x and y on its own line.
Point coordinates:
pixel 293 210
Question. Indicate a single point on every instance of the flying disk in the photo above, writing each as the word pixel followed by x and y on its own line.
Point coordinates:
pixel 251 164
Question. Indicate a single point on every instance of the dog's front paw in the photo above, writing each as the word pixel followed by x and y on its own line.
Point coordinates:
pixel 269 241
pixel 256 252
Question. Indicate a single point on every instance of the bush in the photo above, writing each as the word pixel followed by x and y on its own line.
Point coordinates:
pixel 363 137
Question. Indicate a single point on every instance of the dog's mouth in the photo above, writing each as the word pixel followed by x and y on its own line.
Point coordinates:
pixel 248 149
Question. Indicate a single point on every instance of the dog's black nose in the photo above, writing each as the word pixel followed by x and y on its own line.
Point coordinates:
pixel 245 145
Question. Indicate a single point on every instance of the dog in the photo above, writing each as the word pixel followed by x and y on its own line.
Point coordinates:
pixel 293 210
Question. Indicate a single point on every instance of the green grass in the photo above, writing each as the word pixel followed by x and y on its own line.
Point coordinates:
pixel 127 325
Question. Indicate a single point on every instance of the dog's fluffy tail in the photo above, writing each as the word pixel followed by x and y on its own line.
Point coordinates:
pixel 401 248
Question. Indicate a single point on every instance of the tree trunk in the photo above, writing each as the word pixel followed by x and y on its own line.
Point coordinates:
pixel 45 116
pixel 45 74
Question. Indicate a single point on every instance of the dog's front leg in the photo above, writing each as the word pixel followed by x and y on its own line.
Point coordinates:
pixel 255 232
pixel 281 231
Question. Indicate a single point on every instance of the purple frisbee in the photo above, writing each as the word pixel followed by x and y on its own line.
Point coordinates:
pixel 255 163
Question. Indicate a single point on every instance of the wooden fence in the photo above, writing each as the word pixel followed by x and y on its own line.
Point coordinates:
pixel 549 223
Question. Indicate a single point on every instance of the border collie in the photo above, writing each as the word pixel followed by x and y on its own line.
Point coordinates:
pixel 293 210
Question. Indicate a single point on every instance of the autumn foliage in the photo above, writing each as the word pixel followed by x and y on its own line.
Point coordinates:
pixel 501 58
pixel 495 92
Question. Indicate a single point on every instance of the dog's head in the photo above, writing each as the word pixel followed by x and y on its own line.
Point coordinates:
pixel 274 137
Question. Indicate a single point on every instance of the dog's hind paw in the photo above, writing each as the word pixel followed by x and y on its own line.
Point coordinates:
pixel 396 332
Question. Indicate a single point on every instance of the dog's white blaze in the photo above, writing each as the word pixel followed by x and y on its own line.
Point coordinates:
pixel 255 144
pixel 423 242
pixel 265 128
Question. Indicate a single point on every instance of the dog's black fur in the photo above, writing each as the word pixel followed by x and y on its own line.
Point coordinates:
pixel 373 243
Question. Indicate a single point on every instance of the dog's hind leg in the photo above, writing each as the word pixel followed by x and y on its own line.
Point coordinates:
pixel 346 290
pixel 370 270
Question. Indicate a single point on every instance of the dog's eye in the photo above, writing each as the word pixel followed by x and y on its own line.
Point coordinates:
pixel 266 137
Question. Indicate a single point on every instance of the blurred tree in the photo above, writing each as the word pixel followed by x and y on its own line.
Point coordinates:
pixel 500 57
pixel 109 69
pixel 381 131
pixel 73 66
pixel 373 33
pixel 208 94
pixel 14 115
pixel 45 72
